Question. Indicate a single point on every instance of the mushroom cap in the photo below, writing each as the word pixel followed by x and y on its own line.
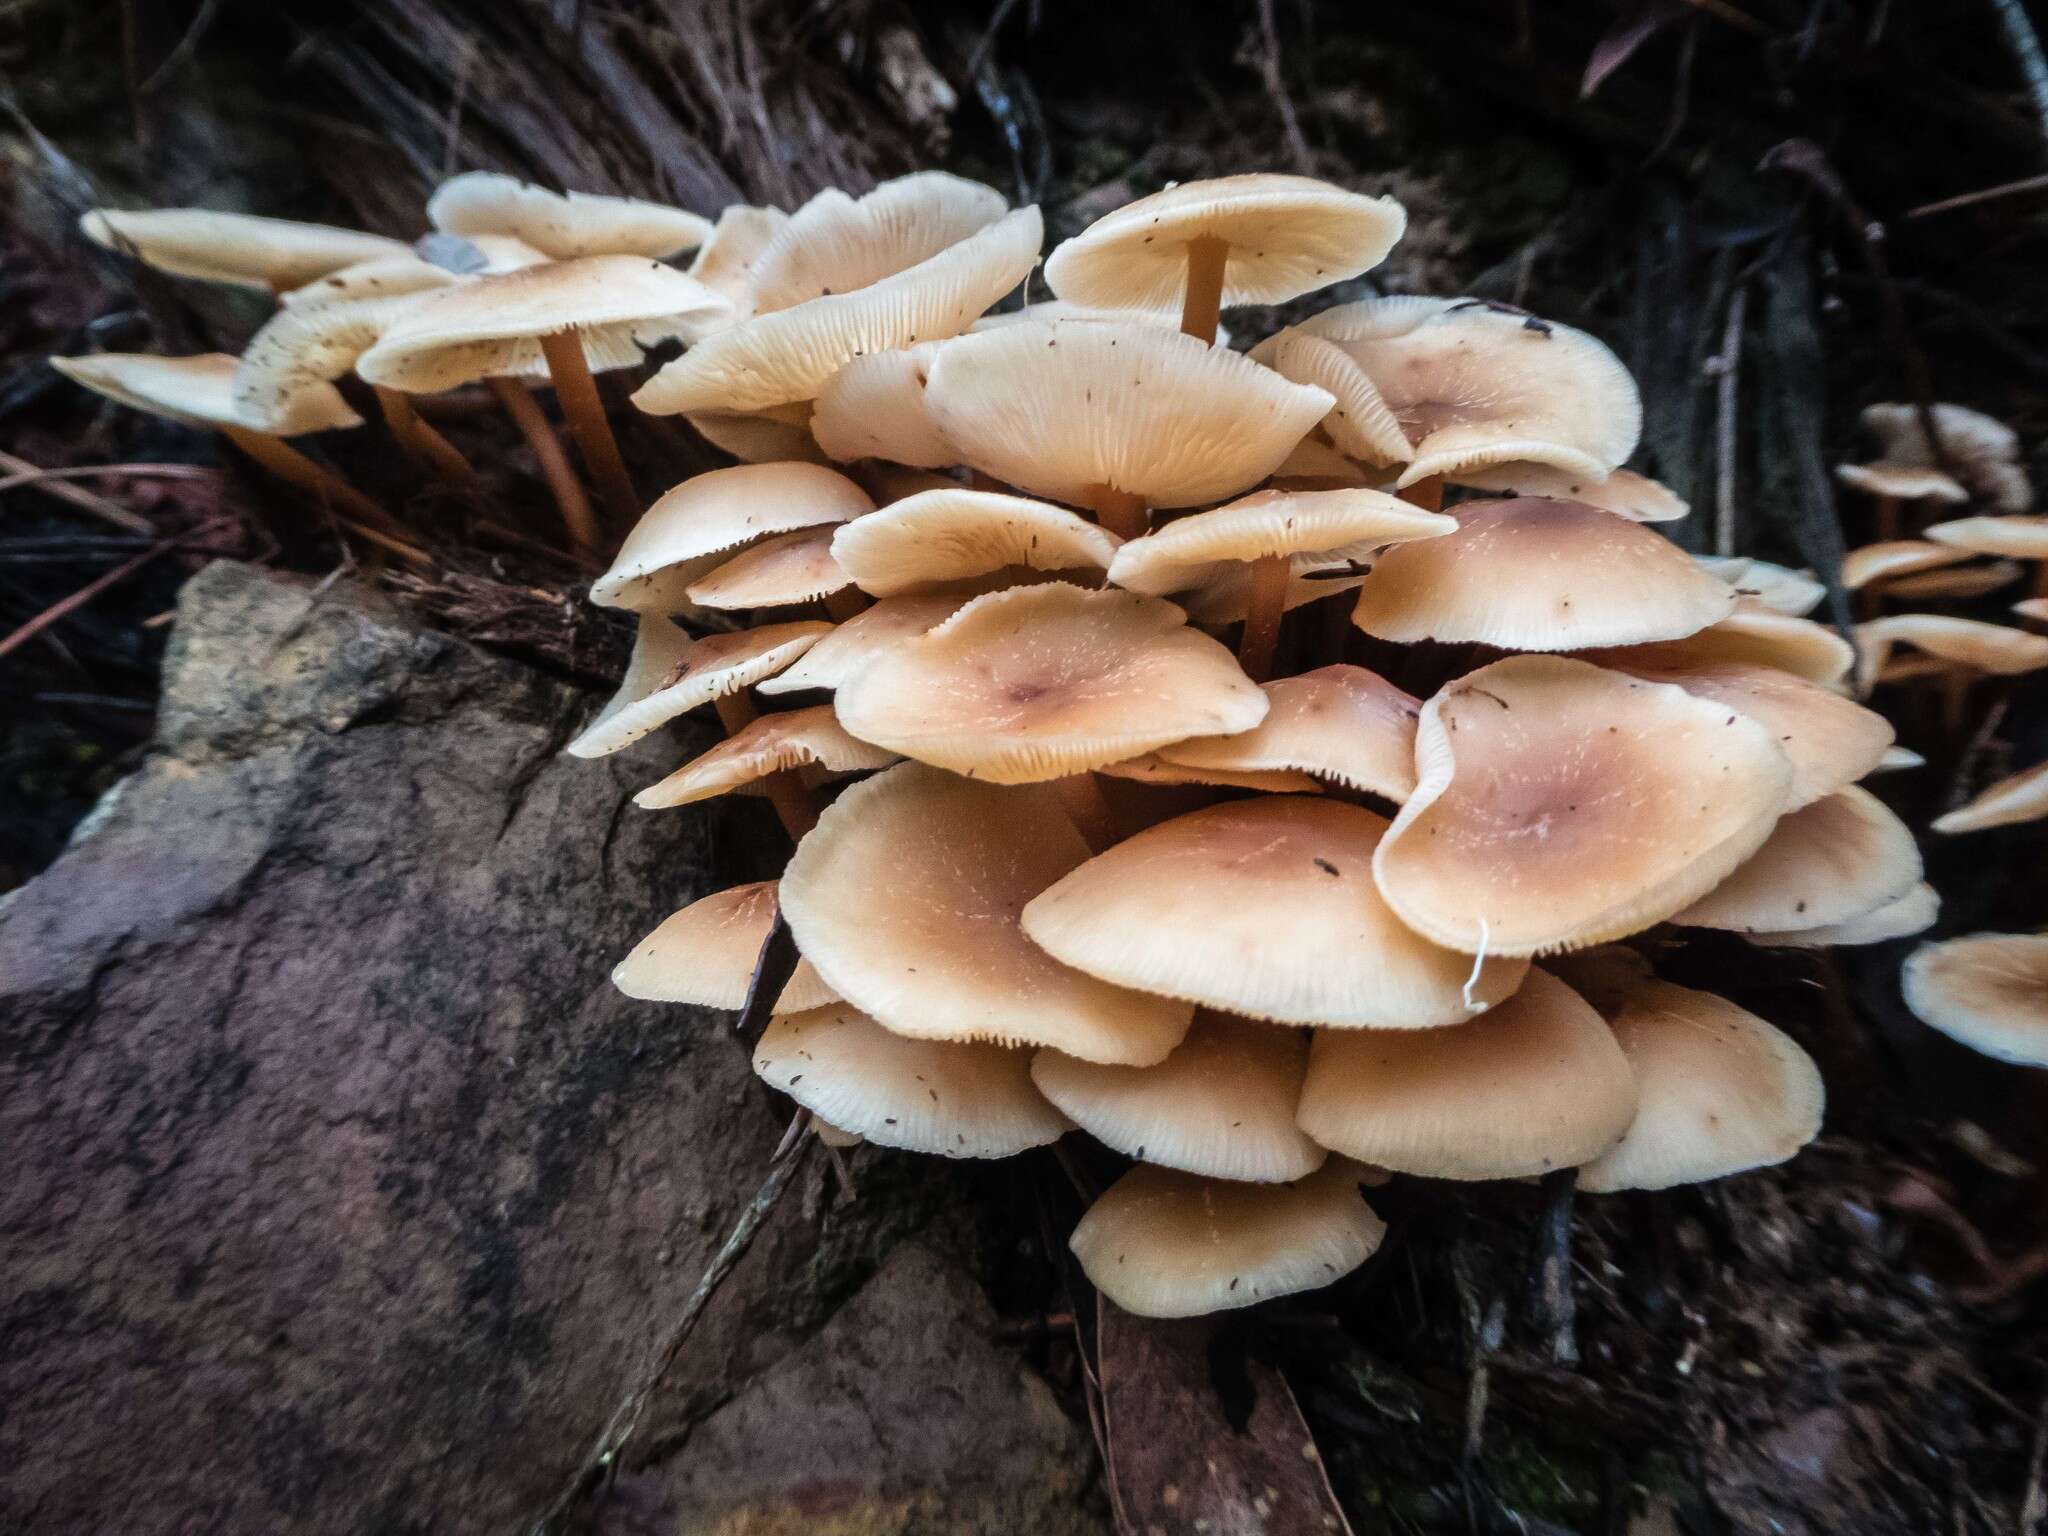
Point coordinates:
pixel 857 641
pixel 1719 1092
pixel 798 738
pixel 1558 805
pixel 1340 722
pixel 1222 1105
pixel 239 248
pixel 1897 759
pixel 791 354
pixel 1037 682
pixel 1839 858
pixel 1288 235
pixel 1902 482
pixel 469 255
pixel 1162 1243
pixel 2035 608
pixel 1988 991
pixel 874 408
pixel 1313 464
pixel 1308 529
pixel 1911 913
pixel 706 953
pixel 1531 574
pixel 938 538
pixel 2021 537
pixel 937 1096
pixel 725 261
pixel 781 433
pixel 381 277
pixel 906 897
pixel 1360 423
pixel 1776 587
pixel 2019 798
pixel 1187 909
pixel 837 244
pixel 1753 634
pixel 689 528
pixel 670 674
pixel 1994 648
pixel 1623 492
pixel 1063 407
pixel 492 325
pixel 564 226
pixel 1983 451
pixel 1831 741
pixel 298 353
pixel 1956 582
pixel 199 391
pixel 1151 768
pixel 1895 557
pixel 775 573
pixel 1473 384
pixel 1535 1083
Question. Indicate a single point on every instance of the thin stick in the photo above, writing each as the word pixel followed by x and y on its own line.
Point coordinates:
pixel 526 415
pixel 363 516
pixel 422 443
pixel 117 471
pixel 1268 605
pixel 796 806
pixel 1727 369
pixel 1202 302
pixel 1089 810
pixel 576 390
pixel 1984 195
pixel 32 476
pixel 1426 493
pixel 1119 511
pixel 611 1440
pixel 78 599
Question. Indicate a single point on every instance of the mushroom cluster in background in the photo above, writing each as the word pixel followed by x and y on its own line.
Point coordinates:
pixel 1259 761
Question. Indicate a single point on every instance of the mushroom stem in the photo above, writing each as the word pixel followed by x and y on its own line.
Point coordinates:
pixel 1089 810
pixel 1262 618
pixel 584 411
pixel 1887 521
pixel 295 469
pixel 1119 511
pixel 525 412
pixel 1955 702
pixel 422 443
pixel 2041 578
pixel 1426 493
pixel 1202 301
pixel 794 805
pixel 846 603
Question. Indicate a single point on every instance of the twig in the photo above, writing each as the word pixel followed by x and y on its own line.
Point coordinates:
pixel 202 22
pixel 1727 371
pixel 34 476
pixel 1723 11
pixel 78 599
pixel 2025 44
pixel 28 474
pixel 1983 195
pixel 1276 87
pixel 1556 1313
pixel 618 1429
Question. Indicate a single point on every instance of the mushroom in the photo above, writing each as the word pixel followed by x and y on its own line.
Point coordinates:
pixel 1983 452
pixel 725 261
pixel 2020 798
pixel 705 955
pixel 1964 647
pixel 1719 1092
pixel 779 572
pixel 1360 424
pixel 1222 1105
pixel 1776 587
pixel 1839 858
pixel 874 408
pixel 1910 913
pixel 1533 1084
pixel 1623 492
pixel 1161 1243
pixel 1255 239
pixel 859 640
pixel 906 897
pixel 781 433
pixel 564 226
pixel 1039 682
pixel 951 1100
pixel 1871 567
pixel 2020 537
pixel 1188 909
pixel 239 248
pixel 836 244
pixel 1753 634
pixel 797 738
pixel 1559 805
pixel 1988 991
pixel 671 674
pixel 937 540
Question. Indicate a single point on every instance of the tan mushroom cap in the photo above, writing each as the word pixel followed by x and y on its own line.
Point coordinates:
pixel 906 897
pixel 1776 587
pixel 837 244
pixel 298 353
pixel 1533 1084
pixel 706 953
pixel 1753 634
pixel 2035 608
pixel 1313 464
pixel 239 248
pixel 1994 648
pixel 2020 798
pixel 1532 574
pixel 799 738
pixel 1897 758
pixel 790 354
pixel 1162 1243
pixel 671 674
pixel 1560 805
pixel 1188 909
pixel 1839 858
pixel 1902 482
pixel 1056 309
pixel 1475 384
pixel 2021 537
pixel 1882 561
pixel 1360 422
pixel 874 408
pixel 488 326
pixel 564 226
pixel 780 434
pixel 1152 768
pixel 1720 1092
pixel 1913 912
pixel 199 391
pixel 940 538
pixel 382 277
pixel 1309 529
pixel 775 573
pixel 1062 408
pixel 1831 741
pixel 691 527
pixel 1623 492
pixel 1288 235
pixel 1957 582
pixel 936 1096
pixel 1222 1105
pixel 1988 991
pixel 1341 723
pixel 1983 451
pixel 1040 681
pixel 859 640
pixel 725 261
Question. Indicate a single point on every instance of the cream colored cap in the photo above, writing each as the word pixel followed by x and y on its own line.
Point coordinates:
pixel 1776 587
pixel 1341 723
pixel 859 640
pixel 1753 634
pixel 837 244
pixel 874 408
pixel 199 391
pixel 937 539
pixel 238 248
pixel 1879 562
pixel 798 738
pixel 1839 858
pixel 775 573
pixel 562 225
pixel 1911 913
pixel 670 674
pixel 1623 492
pixel 1994 648
pixel 2021 798
pixel 1360 423
pixel 1988 991
pixel 2021 537
pixel 706 954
